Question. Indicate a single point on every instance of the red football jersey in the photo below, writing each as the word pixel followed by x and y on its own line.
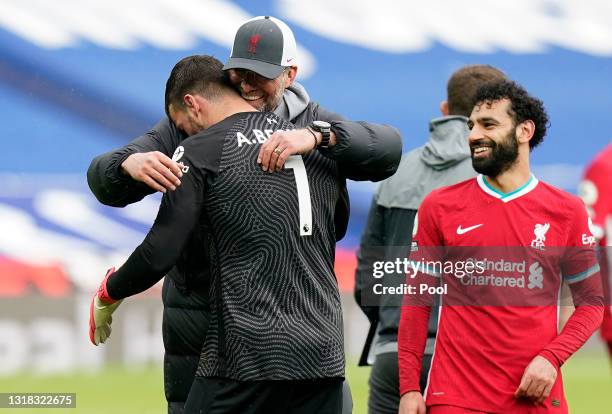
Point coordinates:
pixel 511 316
pixel 596 192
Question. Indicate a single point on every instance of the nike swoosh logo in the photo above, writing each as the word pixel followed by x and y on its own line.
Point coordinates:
pixel 100 307
pixel 465 230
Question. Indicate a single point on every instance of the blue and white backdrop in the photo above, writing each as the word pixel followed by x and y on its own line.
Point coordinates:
pixel 79 77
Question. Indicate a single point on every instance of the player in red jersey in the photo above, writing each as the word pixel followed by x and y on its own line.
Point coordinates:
pixel 596 192
pixel 500 355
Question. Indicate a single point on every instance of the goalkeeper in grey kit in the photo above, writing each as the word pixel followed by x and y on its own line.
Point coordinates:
pixel 275 338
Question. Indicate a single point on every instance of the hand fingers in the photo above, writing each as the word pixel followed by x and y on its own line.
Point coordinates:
pixel 171 170
pixel 265 152
pixel 538 391
pixel 407 408
pixel 103 332
pixel 280 161
pixel 545 393
pixel 162 180
pixel 99 336
pixel 283 156
pixel 531 391
pixel 417 407
pixel 273 159
pixel 171 165
pixel 102 336
pixel 169 175
pixel 153 184
pixel 520 391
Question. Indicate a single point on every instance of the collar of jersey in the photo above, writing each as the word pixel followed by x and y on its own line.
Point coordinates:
pixel 505 197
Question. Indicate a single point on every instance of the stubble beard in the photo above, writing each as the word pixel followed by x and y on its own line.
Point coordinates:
pixel 503 157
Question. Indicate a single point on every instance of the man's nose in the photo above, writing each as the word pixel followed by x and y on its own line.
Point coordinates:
pixel 474 134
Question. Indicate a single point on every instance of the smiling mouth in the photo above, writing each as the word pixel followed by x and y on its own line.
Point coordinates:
pixel 481 150
pixel 251 97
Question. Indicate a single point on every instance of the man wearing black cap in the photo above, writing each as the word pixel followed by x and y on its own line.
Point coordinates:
pixel 263 67
pixel 362 151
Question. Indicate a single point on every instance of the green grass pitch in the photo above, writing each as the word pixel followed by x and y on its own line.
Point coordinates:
pixel 118 390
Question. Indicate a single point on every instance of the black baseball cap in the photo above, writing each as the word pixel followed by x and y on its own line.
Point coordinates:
pixel 264 45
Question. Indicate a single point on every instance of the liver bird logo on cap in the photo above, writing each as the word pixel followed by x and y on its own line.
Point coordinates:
pixel 253 43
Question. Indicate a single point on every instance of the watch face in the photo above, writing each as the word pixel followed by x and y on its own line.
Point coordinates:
pixel 321 124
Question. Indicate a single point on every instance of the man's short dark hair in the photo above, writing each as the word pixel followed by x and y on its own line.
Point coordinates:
pixel 201 74
pixel 464 83
pixel 523 107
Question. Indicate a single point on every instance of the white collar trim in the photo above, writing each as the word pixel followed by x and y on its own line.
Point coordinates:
pixel 505 197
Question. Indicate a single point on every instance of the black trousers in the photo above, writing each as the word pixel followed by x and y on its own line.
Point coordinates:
pixel 384 383
pixel 186 317
pixel 226 396
pixel 184 327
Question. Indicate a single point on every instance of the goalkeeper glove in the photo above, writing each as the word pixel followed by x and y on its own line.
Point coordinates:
pixel 101 311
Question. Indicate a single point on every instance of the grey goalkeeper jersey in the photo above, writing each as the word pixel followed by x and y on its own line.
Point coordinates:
pixel 270 240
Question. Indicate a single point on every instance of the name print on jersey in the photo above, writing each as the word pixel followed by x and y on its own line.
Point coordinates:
pixel 259 137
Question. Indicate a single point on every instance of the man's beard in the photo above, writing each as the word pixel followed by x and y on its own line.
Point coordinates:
pixel 270 105
pixel 503 156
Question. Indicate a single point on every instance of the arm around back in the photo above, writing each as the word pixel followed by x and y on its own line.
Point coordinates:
pixel 364 151
pixel 113 186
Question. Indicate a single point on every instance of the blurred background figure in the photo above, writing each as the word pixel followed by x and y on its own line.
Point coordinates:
pixel 596 192
pixel 78 78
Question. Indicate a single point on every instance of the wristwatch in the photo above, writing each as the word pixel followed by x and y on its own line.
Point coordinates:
pixel 325 129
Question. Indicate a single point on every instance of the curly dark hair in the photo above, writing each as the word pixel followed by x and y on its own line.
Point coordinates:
pixel 522 107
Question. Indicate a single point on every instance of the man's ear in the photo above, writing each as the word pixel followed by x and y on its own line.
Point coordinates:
pixel 291 75
pixel 525 131
pixel 444 108
pixel 190 101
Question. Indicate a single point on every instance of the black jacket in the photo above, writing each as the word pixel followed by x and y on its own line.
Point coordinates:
pixel 363 151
